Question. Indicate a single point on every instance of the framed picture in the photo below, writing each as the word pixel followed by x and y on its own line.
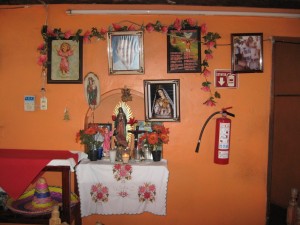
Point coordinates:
pixel 105 137
pixel 247 53
pixel 184 50
pixel 65 57
pixel 162 100
pixel 92 90
pixel 126 52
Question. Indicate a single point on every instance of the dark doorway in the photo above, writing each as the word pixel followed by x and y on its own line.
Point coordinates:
pixel 284 150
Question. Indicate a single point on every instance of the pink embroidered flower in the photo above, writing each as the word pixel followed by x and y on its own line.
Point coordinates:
pixel 86 36
pixel 147 192
pixel 204 29
pixel 117 166
pixel 122 172
pixel 68 34
pixel 149 27
pixel 206 73
pixel 42 59
pixel 164 29
pixel 116 26
pixel 177 24
pixel 127 167
pixel 99 193
pixel 123 194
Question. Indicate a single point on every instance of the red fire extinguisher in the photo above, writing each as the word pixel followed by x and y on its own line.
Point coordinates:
pixel 222 136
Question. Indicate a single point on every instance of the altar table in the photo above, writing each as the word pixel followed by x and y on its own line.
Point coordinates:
pixel 133 188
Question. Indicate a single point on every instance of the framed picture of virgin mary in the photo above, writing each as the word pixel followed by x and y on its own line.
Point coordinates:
pixel 162 100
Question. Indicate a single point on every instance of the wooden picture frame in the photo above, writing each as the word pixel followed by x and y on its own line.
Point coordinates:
pixel 247 52
pixel 65 57
pixel 125 52
pixel 184 50
pixel 92 90
pixel 162 101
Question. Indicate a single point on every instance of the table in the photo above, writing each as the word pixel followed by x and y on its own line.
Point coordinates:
pixel 134 188
pixel 30 163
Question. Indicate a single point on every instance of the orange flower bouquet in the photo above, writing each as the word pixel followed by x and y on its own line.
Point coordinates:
pixel 90 136
pixel 156 138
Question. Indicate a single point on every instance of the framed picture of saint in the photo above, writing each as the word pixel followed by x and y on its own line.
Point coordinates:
pixel 162 100
pixel 92 90
pixel 65 61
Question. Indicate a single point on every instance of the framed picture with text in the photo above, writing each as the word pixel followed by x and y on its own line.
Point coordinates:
pixel 162 100
pixel 184 50
pixel 247 53
pixel 65 57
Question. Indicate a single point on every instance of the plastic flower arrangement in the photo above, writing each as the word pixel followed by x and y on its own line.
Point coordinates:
pixel 157 137
pixel 90 137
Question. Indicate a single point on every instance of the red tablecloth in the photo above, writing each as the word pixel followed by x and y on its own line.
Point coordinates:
pixel 19 167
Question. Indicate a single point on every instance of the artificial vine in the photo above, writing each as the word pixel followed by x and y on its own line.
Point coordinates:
pixel 209 40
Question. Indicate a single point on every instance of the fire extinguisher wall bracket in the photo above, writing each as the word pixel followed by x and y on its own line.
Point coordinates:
pixel 222 136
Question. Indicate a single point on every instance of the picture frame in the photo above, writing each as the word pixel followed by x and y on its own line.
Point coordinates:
pixel 247 52
pixel 92 90
pixel 184 50
pixel 125 52
pixel 101 137
pixel 65 61
pixel 162 100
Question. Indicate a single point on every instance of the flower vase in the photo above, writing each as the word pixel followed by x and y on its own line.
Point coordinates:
pixel 93 155
pixel 156 153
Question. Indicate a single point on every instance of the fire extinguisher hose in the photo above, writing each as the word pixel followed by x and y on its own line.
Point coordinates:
pixel 203 127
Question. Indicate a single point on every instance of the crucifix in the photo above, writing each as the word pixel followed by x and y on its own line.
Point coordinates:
pixel 136 152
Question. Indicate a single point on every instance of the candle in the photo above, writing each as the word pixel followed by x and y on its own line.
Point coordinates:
pixel 125 158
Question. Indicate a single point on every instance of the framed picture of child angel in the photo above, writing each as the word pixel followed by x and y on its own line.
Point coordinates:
pixel 247 53
pixel 65 61
pixel 162 100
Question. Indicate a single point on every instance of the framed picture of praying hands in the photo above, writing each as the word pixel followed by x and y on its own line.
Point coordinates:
pixel 125 52
pixel 65 61
pixel 162 100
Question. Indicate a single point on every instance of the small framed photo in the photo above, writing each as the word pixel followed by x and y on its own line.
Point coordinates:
pixel 184 50
pixel 65 57
pixel 125 52
pixel 247 53
pixel 92 90
pixel 162 100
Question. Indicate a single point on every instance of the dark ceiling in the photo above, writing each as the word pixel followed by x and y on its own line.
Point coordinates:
pixel 284 4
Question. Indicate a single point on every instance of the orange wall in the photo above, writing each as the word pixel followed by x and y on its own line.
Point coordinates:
pixel 199 191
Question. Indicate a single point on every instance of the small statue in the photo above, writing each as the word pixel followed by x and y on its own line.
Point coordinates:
pixel 126 96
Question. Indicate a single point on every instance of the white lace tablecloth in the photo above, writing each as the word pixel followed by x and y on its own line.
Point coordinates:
pixel 134 188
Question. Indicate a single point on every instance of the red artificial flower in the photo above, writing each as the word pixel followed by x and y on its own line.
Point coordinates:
pixel 113 117
pixel 77 139
pixel 68 34
pixel 206 73
pixel 50 32
pixel 132 121
pixel 210 44
pixel 210 102
pixel 149 27
pixel 164 138
pixel 42 59
pixel 208 56
pixel 41 47
pixel 191 22
pixel 164 29
pixel 204 29
pixel 103 31
pixel 86 36
pixel 117 26
pixel 205 88
pixel 131 28
pixel 91 130
pixel 177 24
pixel 152 138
